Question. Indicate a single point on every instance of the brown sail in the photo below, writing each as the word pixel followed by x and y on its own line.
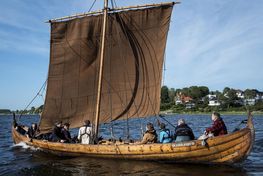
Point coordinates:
pixel 135 42
pixel 131 81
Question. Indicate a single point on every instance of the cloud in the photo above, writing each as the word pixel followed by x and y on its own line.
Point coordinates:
pixel 23 43
pixel 212 43
pixel 21 30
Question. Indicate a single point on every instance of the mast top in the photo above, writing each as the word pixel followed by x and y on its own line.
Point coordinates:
pixel 98 12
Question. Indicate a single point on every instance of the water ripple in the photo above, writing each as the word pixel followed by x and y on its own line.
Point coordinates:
pixel 23 160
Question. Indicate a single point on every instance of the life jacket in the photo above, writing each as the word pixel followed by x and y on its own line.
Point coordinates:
pixel 183 130
pixel 167 131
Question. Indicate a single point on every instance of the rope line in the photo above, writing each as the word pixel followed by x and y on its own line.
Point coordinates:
pixel 38 94
pixel 92 5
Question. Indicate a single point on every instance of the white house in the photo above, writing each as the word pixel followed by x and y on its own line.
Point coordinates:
pixel 240 94
pixel 177 102
pixel 189 105
pixel 259 96
pixel 210 96
pixel 250 102
pixel 213 100
pixel 214 103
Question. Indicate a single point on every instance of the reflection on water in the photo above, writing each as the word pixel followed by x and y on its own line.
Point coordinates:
pixel 92 166
pixel 21 160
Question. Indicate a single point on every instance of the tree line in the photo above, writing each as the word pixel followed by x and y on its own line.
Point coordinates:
pixel 32 110
pixel 228 99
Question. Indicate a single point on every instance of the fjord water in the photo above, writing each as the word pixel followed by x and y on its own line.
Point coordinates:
pixel 23 160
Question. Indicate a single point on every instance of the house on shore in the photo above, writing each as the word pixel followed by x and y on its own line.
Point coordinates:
pixel 213 101
pixel 240 94
pixel 185 100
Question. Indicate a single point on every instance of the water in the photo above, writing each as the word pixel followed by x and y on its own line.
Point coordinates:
pixel 23 160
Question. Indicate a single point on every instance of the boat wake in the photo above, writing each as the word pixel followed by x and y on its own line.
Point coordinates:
pixel 24 146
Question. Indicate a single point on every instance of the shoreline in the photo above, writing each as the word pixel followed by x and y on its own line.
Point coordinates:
pixel 169 112
pixel 17 114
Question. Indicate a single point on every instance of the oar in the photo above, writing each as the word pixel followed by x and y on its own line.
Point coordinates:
pixel 238 126
pixel 162 117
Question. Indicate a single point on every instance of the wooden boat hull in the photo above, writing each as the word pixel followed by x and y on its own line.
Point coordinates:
pixel 226 149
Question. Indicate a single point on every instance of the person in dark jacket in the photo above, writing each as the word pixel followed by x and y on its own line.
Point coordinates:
pixel 56 133
pixel 183 132
pixel 66 137
pixel 32 131
pixel 19 128
pixel 218 127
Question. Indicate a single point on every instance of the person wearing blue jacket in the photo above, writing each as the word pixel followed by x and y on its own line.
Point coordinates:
pixel 165 136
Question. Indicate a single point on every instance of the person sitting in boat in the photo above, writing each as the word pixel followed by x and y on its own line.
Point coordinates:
pixel 150 136
pixel 19 128
pixel 183 132
pixel 85 133
pixel 66 137
pixel 32 131
pixel 56 133
pixel 218 127
pixel 165 136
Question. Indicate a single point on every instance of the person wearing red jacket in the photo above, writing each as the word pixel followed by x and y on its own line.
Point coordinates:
pixel 218 127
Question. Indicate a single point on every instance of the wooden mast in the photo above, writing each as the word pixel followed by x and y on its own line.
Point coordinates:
pixel 102 54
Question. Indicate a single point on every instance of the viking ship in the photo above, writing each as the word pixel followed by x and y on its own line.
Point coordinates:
pixel 106 66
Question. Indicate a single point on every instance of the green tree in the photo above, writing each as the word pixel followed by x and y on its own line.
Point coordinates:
pixel 165 95
pixel 39 109
pixel 225 91
pixel 195 92
pixel 32 110
pixel 172 94
pixel 217 93
pixel 204 91
pixel 250 93
pixel 185 91
pixel 178 91
pixel 231 98
pixel 5 111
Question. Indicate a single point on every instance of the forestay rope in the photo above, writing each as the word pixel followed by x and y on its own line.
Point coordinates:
pixel 39 93
pixel 92 5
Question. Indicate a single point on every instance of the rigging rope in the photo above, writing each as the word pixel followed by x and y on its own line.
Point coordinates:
pixel 142 132
pixel 92 6
pixel 110 95
pixel 112 4
pixel 164 68
pixel 162 117
pixel 38 94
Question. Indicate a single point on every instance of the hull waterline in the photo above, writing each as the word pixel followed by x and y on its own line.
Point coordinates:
pixel 227 149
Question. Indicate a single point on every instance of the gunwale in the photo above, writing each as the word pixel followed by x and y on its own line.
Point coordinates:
pixel 227 149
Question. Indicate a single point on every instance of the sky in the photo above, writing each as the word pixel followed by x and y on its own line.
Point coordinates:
pixel 216 43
